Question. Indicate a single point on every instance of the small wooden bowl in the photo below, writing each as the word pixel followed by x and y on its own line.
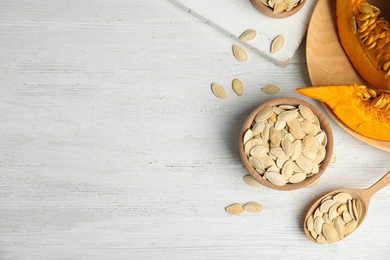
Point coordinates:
pixel 260 6
pixel 324 126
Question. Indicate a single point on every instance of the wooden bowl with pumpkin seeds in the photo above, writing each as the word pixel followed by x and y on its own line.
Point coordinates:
pixel 286 143
pixel 278 8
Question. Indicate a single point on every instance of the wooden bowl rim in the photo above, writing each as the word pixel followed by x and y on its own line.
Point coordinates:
pixel 324 123
pixel 268 11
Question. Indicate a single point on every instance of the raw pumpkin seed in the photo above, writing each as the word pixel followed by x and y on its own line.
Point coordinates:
pixel 248 35
pixel 277 44
pixel 240 53
pixel 253 207
pixel 235 209
pixel 270 89
pixel 218 91
pixel 248 179
pixel 238 86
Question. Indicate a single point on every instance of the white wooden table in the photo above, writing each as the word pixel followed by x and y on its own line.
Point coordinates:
pixel 114 147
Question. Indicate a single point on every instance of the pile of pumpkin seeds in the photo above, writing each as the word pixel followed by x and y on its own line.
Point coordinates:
pixel 285 144
pixel 336 217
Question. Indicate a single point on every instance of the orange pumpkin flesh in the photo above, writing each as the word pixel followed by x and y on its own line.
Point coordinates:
pixel 363 110
pixel 365 37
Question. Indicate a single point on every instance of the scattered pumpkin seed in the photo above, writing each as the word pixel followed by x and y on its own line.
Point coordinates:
pixel 238 86
pixel 235 209
pixel 248 35
pixel 270 89
pixel 277 44
pixel 218 91
pixel 253 207
pixel 239 53
pixel 248 179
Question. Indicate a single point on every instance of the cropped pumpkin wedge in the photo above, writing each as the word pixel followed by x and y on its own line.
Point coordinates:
pixel 362 109
pixel 365 38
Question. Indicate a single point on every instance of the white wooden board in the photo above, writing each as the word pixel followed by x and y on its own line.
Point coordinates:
pixel 233 17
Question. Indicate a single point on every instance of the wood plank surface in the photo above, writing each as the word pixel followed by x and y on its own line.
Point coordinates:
pixel 114 147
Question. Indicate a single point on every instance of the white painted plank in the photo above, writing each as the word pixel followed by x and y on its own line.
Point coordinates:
pixel 233 17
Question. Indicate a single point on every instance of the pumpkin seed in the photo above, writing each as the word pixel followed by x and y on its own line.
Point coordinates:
pixel 277 44
pixel 297 177
pixel 248 35
pixel 235 209
pixel 325 206
pixel 310 223
pixel 339 225
pixel 287 115
pixel 346 216
pixel 350 227
pixel 250 144
pixel 330 233
pixel 275 136
pixel 270 89
pixel 248 179
pixel 258 128
pixel 259 151
pixel 275 178
pixel 239 53
pixel 218 91
pixel 306 112
pixel 238 87
pixel 248 136
pixel 253 207
pixel 342 197
pixel 264 114
pixel 318 223
pixel 304 163
pixel 256 163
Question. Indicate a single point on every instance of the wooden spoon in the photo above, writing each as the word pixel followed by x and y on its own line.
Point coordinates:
pixel 364 195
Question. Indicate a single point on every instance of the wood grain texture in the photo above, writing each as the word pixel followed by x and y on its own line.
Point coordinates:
pixel 114 147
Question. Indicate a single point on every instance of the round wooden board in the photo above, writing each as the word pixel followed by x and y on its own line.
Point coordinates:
pixel 328 64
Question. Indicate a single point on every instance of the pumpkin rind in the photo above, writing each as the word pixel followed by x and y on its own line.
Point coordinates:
pixel 360 108
pixel 365 38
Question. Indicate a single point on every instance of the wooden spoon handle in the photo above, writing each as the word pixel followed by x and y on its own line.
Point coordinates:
pixel 383 182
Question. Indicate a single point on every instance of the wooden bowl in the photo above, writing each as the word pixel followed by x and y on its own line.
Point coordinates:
pixel 260 6
pixel 324 124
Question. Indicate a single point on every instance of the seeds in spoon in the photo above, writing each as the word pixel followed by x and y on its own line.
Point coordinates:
pixel 336 221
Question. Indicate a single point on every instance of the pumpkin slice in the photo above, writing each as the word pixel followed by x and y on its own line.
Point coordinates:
pixel 365 37
pixel 362 109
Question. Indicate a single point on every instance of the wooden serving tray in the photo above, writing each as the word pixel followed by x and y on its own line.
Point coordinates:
pixel 327 62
